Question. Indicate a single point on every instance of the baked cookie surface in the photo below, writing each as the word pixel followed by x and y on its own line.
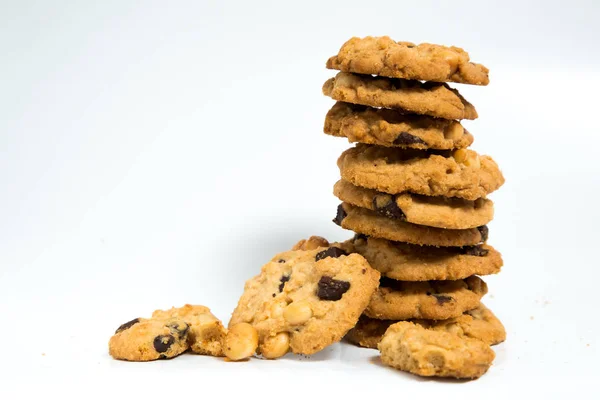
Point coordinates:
pixel 461 173
pixel 371 223
pixel 425 62
pixel 406 262
pixel 394 128
pixel 149 339
pixel 305 300
pixel 479 323
pixel 425 98
pixel 401 300
pixel 435 211
pixel 411 347
pixel 206 333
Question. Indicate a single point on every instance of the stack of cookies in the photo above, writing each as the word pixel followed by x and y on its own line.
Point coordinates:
pixel 416 197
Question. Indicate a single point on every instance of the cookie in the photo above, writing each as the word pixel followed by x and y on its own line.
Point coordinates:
pixel 479 323
pixel 393 128
pixel 424 62
pixel 368 331
pixel 462 173
pixel 312 243
pixel 435 211
pixel 421 351
pixel 149 339
pixel 407 262
pixel 306 300
pixel 206 334
pixel 426 98
pixel 371 223
pixel 400 300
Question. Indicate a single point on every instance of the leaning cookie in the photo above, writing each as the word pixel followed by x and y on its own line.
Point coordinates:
pixel 206 334
pixel 407 262
pixel 149 339
pixel 399 300
pixel 425 62
pixel 371 223
pixel 428 98
pixel 421 351
pixel 306 300
pixel 479 323
pixel 435 211
pixel 462 173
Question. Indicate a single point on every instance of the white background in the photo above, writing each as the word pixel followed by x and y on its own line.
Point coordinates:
pixel 156 155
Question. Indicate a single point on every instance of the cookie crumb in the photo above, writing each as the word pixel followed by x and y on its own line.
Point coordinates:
pixel 44 354
pixel 531 318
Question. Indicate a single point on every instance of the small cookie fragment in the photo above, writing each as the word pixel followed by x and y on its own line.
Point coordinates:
pixel 399 300
pixel 394 128
pixel 206 333
pixel 435 211
pixel 425 98
pixel 420 351
pixel 407 262
pixel 305 300
pixel 149 339
pixel 462 173
pixel 372 223
pixel 425 62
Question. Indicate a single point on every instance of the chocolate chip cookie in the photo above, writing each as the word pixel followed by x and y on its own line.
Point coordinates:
pixel 426 98
pixel 206 333
pixel 372 223
pixel 401 300
pixel 461 173
pixel 435 211
pixel 149 339
pixel 407 262
pixel 305 300
pixel 424 62
pixel 411 347
pixel 479 323
pixel 394 128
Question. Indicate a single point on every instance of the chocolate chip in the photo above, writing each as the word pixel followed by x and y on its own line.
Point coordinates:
pixel 127 325
pixel 386 206
pixel 283 280
pixel 331 289
pixel 405 138
pixel 162 343
pixel 334 252
pixel 390 283
pixel 281 260
pixel 484 231
pixel 178 328
pixel 341 214
pixel 441 299
pixel 476 251
pixel 364 271
pixel 359 236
